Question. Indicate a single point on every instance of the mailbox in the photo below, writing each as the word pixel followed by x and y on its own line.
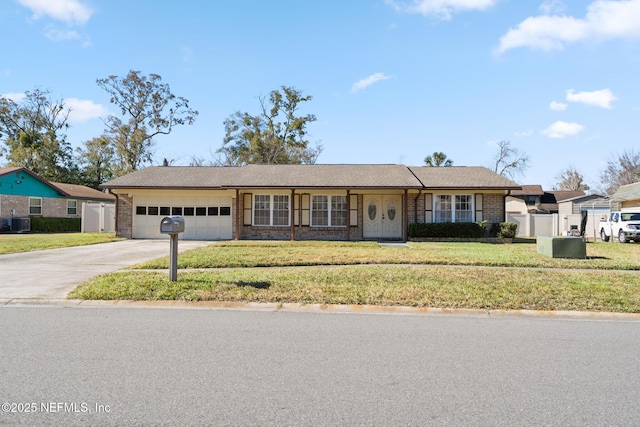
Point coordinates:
pixel 172 225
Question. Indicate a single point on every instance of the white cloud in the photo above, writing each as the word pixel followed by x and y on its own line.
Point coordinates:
pixel 605 19
pixel 557 106
pixel 69 11
pixel 552 7
pixel 14 96
pixel 442 9
pixel 525 133
pixel 598 98
pixel 368 81
pixel 83 110
pixel 58 35
pixel 559 130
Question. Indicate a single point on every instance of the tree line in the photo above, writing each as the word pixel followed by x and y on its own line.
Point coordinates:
pixel 33 135
pixel 510 162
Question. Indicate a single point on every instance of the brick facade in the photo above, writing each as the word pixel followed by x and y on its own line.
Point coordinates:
pixel 301 232
pixel 51 208
pixel 124 216
pixel 493 207
pixel 493 211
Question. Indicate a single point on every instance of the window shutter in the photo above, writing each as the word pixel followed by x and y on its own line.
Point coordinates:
pixel 353 208
pixel 478 207
pixel 247 208
pixel 428 208
pixel 296 209
pixel 305 208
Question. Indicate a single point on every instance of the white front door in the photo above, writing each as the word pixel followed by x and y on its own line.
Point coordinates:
pixel 382 217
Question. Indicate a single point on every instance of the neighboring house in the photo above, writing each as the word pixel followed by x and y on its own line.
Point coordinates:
pixel 299 202
pixel 628 195
pixel 533 199
pixel 524 200
pixel 24 193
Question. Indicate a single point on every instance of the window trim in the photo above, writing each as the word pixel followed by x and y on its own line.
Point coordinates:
pixel 330 219
pixel 271 210
pixel 453 201
pixel 75 207
pixel 32 206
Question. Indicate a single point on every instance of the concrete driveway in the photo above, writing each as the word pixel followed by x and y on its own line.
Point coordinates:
pixel 53 273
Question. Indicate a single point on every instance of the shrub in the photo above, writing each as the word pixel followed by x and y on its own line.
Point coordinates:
pixel 471 230
pixel 55 225
pixel 505 230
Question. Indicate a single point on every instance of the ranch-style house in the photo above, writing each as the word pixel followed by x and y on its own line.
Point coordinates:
pixel 305 202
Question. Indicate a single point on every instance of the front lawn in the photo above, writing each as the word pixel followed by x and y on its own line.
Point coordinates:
pixel 609 256
pixel 454 275
pixel 12 243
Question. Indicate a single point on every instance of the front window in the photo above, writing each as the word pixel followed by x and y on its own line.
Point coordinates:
pixel 280 210
pixel 464 210
pixel 271 210
pixel 320 211
pixel 35 206
pixel 453 208
pixel 329 211
pixel 72 207
pixel 442 209
pixel 339 211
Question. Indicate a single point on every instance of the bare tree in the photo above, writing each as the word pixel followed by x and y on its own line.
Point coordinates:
pixel 571 180
pixel 509 161
pixel 623 170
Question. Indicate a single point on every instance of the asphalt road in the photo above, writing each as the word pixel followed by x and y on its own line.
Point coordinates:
pixel 53 273
pixel 133 366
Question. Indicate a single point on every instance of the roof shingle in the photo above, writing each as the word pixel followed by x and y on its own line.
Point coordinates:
pixel 313 176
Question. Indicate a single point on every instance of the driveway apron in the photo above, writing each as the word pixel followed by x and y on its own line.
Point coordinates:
pixel 53 273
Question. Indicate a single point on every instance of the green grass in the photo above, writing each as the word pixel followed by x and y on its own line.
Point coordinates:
pixel 12 243
pixel 455 275
pixel 606 256
pixel 417 286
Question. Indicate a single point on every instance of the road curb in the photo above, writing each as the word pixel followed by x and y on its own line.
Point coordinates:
pixel 318 308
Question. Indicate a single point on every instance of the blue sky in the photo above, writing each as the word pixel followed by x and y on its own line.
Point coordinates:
pixel 392 80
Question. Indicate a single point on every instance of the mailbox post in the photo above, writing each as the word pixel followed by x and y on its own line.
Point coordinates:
pixel 172 225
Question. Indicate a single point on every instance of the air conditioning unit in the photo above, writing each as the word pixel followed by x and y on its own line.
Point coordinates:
pixel 17 225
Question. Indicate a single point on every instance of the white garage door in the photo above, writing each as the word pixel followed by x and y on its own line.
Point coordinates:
pixel 205 217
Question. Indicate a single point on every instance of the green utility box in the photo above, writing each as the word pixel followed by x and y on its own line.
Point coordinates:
pixel 562 247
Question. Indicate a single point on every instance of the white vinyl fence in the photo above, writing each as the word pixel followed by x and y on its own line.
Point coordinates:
pixel 531 225
pixel 98 218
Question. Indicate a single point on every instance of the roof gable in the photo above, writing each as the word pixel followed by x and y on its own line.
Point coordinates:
pixel 23 182
pixel 20 181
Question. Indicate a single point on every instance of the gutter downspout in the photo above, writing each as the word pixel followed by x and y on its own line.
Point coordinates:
pixel 504 206
pixel 415 205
